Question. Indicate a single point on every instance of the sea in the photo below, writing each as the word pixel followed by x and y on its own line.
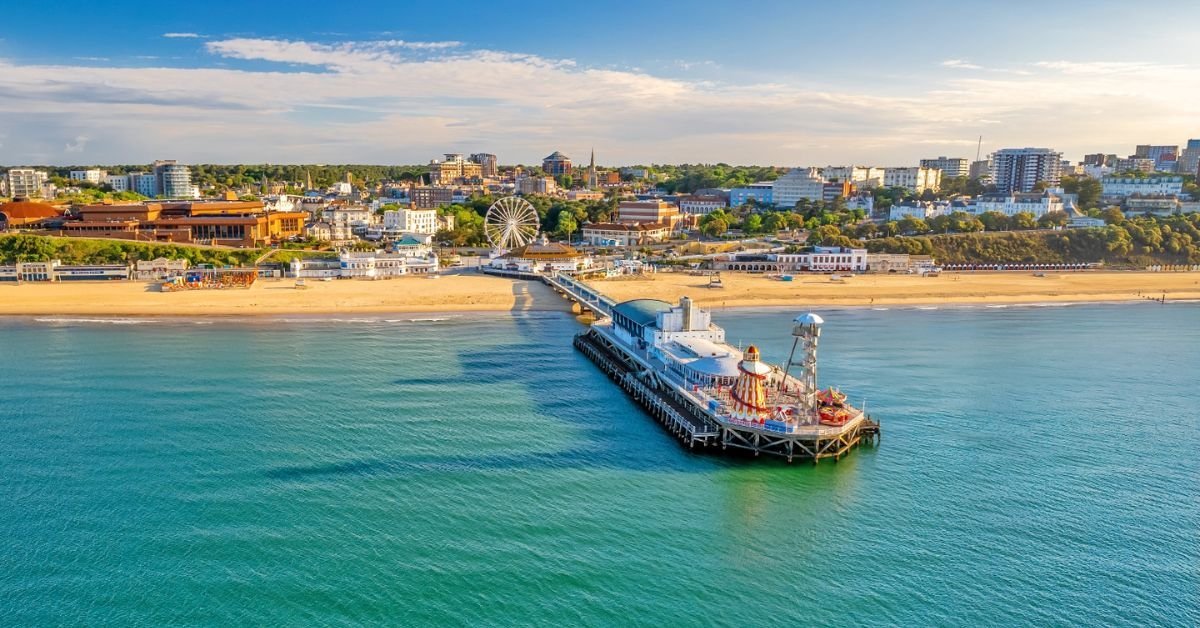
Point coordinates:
pixel 1039 465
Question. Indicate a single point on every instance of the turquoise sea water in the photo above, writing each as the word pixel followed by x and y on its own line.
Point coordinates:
pixel 1038 466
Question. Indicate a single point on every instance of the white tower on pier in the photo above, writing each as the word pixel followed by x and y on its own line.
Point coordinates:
pixel 806 331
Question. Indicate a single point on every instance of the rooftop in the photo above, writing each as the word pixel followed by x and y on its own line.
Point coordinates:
pixel 548 251
pixel 642 311
pixel 29 210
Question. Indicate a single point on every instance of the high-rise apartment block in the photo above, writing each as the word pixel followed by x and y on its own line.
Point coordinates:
pixel 1020 169
pixel 174 180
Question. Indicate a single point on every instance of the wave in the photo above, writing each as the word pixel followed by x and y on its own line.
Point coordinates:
pixel 63 320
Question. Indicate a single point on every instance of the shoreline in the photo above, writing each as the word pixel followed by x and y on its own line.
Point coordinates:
pixel 449 316
pixel 414 297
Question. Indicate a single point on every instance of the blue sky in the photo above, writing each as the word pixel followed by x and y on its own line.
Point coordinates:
pixel 750 82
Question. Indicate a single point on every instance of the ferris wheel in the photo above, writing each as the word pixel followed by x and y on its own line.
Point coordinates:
pixel 510 222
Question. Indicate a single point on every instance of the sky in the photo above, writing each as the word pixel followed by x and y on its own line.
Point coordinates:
pixel 784 83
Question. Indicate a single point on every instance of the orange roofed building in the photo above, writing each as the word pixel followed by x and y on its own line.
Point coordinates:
pixel 24 213
pixel 228 223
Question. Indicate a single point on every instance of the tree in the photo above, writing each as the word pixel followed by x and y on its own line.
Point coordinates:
pixel 752 224
pixel 715 228
pixel 1087 189
pixel 567 224
pixel 913 225
pixel 1053 219
pixel 1024 220
pixel 995 221
pixel 1113 216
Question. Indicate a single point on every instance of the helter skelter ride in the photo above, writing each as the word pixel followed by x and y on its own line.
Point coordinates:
pixel 511 222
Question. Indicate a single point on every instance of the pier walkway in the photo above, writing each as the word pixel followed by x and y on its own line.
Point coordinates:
pixel 581 293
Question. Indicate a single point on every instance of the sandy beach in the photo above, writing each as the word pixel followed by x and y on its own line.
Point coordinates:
pixel 448 293
pixel 746 290
pixel 472 292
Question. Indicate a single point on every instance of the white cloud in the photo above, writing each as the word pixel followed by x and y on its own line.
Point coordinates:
pixel 182 35
pixel 399 101
pixel 961 64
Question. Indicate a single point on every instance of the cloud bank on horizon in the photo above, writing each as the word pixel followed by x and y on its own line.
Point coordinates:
pixel 257 99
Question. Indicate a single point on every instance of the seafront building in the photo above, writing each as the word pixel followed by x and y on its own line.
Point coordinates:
pixel 1118 187
pixel 625 234
pixel 814 259
pixel 28 214
pixel 542 257
pixel 228 223
pixel 1036 203
pixel 55 270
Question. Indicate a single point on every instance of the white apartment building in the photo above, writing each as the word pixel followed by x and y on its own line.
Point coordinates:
pixel 118 182
pixel 410 221
pixel 796 185
pixel 1121 187
pixel 1020 169
pixel 92 175
pixel 922 210
pixel 1036 203
pixel 916 179
pixel 861 176
pixel 26 182
pixel 950 166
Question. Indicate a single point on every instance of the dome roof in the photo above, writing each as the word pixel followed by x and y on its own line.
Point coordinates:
pixel 29 210
pixel 809 319
pixel 556 156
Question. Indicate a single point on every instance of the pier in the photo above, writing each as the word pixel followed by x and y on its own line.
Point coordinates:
pixel 704 412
